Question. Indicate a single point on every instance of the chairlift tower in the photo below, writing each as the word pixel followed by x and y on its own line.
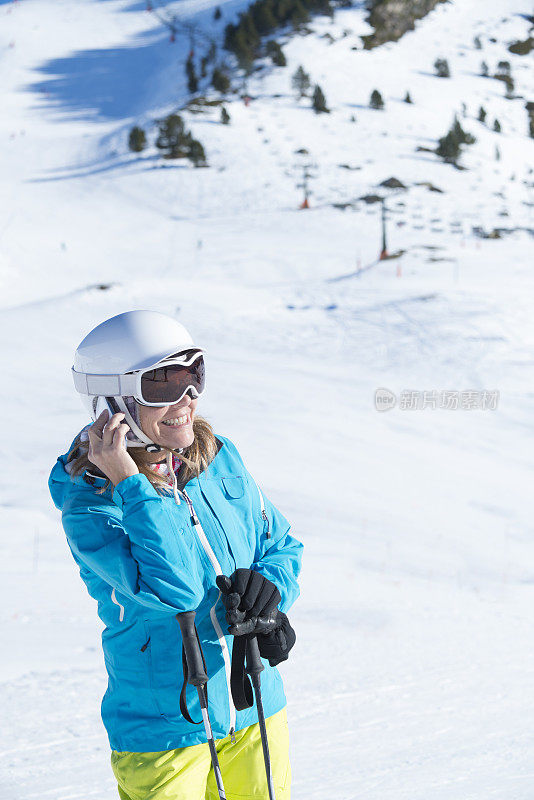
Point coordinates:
pixel 305 184
pixel 384 251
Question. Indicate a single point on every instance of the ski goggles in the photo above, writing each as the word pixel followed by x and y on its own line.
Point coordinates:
pixel 162 384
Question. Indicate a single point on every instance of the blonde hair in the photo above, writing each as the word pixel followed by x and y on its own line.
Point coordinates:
pixel 196 457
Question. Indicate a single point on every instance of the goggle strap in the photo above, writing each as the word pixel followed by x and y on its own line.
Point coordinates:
pixel 104 385
pixel 141 437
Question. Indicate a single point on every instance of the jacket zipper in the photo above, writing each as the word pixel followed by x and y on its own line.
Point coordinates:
pixel 218 630
pixel 114 600
pixel 263 513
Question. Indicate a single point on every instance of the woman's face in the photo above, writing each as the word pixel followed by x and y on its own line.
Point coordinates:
pixel 170 426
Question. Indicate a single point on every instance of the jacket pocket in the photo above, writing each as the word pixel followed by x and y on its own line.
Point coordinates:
pixel 163 649
pixel 234 486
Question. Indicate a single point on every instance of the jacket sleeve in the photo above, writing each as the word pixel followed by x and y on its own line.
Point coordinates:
pixel 278 553
pixel 138 553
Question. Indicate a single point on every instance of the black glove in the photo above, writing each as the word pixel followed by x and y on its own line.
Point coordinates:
pixel 250 601
pixel 276 644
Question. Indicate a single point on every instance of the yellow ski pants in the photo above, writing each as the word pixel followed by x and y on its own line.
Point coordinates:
pixel 186 773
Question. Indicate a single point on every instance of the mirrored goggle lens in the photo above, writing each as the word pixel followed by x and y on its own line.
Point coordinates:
pixel 168 384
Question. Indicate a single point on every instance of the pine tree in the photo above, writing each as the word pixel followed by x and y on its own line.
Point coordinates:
pixel 246 63
pixel 301 82
pixel 497 153
pixel 242 48
pixel 408 99
pixel 449 146
pixel 137 139
pixel 376 100
pixel 217 13
pixel 212 52
pixel 249 29
pixel 220 81
pixel 504 70
pixel 484 69
pixel 441 65
pixel 196 153
pixel 325 7
pixel 172 139
pixel 477 43
pixel 225 116
pixel 229 36
pixel 299 15
pixel 529 106
pixel 510 85
pixel 279 59
pixel 192 80
pixel 203 66
pixel 274 50
pixel 319 101
pixel 482 114
pixel 461 136
pixel 262 15
pixel 281 11
pixel 497 126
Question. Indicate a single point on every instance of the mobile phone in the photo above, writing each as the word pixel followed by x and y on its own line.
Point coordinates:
pixel 103 405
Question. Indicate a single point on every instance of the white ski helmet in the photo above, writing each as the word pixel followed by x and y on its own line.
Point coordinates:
pixel 107 360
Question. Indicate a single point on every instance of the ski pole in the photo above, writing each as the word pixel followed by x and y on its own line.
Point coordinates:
pixel 254 668
pixel 248 650
pixel 197 677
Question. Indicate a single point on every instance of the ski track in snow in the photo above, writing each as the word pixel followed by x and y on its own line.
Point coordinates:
pixel 43 763
pixel 412 677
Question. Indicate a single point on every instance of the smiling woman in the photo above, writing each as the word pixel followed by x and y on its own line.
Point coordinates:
pixel 155 508
pixel 164 389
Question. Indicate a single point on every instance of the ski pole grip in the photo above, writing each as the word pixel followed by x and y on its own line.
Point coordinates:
pixel 193 654
pixel 254 663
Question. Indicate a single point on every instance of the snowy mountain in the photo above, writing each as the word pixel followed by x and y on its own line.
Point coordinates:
pixel 413 669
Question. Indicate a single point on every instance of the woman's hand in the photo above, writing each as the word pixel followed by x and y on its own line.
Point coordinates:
pixel 276 644
pixel 250 600
pixel 107 450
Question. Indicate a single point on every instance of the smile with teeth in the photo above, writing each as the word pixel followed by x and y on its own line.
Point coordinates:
pixel 176 422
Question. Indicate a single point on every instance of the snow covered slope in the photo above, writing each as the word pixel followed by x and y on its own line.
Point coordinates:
pixel 413 671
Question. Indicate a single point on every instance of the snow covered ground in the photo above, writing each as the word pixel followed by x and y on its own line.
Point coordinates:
pixel 413 674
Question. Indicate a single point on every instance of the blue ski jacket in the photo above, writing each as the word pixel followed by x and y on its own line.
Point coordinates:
pixel 145 556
